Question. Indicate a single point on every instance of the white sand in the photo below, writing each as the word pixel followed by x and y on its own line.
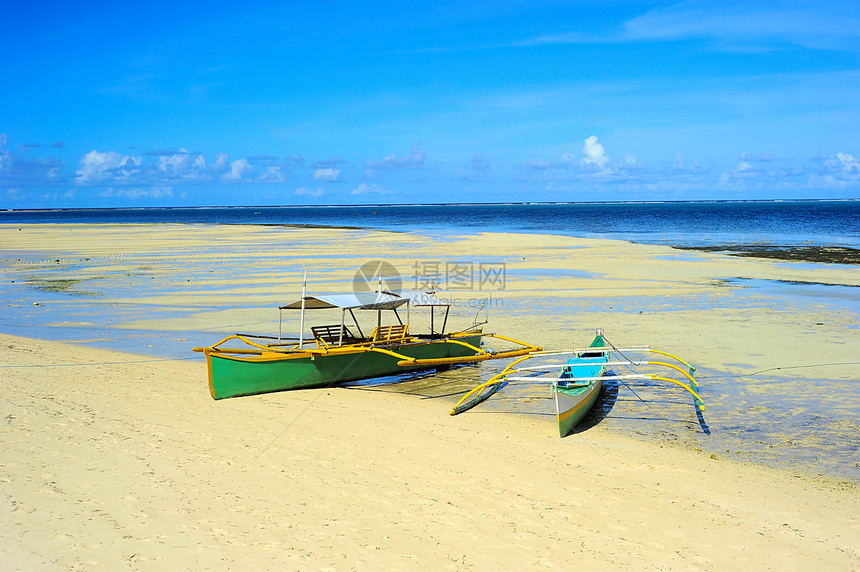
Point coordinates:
pixel 121 464
pixel 110 461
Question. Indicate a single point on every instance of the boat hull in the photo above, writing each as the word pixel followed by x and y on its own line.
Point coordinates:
pixel 573 401
pixel 573 405
pixel 233 375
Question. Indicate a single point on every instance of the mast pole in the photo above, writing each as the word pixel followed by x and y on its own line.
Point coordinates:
pixel 302 321
pixel 379 290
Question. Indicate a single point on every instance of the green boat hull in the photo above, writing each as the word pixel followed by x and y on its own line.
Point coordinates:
pixel 572 407
pixel 236 375
pixel 573 403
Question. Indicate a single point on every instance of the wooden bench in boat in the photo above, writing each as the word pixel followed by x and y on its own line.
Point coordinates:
pixel 396 333
pixel 331 335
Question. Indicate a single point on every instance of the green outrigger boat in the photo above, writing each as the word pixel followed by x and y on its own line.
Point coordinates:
pixel 575 384
pixel 338 354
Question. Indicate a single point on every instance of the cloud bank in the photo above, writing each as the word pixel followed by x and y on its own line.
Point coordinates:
pixel 596 169
pixel 160 168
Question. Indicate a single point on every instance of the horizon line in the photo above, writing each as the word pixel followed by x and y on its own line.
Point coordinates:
pixel 381 205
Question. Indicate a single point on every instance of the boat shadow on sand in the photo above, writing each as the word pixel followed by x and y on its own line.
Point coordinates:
pixel 450 384
pixel 607 401
pixel 609 398
pixel 602 408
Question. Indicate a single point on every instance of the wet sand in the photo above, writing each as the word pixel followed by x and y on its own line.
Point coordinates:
pixel 828 254
pixel 112 460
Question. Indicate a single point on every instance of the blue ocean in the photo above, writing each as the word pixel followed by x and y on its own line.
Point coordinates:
pixel 693 224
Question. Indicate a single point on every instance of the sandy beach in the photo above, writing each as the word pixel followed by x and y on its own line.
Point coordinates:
pixel 121 460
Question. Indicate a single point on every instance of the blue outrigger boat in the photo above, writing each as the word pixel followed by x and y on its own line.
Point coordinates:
pixel 575 384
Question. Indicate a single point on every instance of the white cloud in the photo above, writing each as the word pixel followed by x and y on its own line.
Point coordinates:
pixel 168 168
pixel 597 172
pixel 630 161
pixel 302 191
pixel 222 161
pixel 96 167
pixel 364 189
pixel 845 164
pixel 764 172
pixel 412 160
pixel 327 174
pixel 16 171
pixel 594 153
pixel 839 171
pixel 134 193
pixel 239 169
pixel 183 165
pixel 272 175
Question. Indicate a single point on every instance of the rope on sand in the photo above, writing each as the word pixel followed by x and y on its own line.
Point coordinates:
pixel 799 367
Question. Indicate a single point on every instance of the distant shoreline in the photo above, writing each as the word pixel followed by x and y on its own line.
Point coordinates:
pixel 481 204
pixel 820 230
pixel 826 254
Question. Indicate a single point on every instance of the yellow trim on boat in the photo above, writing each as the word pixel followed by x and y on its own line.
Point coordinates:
pixel 388 352
pixel 512 340
pixel 482 355
pixel 563 416
pixel 464 344
pixel 464 359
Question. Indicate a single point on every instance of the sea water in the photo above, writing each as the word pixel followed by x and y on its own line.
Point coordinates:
pixel 762 416
pixel 672 223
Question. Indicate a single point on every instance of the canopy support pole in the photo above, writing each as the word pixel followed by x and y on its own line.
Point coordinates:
pixel 302 321
pixel 357 325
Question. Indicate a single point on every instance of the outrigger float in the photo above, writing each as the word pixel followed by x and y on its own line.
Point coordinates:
pixel 575 384
pixel 338 354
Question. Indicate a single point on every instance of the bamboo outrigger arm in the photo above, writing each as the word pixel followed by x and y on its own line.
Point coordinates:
pixel 692 368
pixel 404 360
pixel 700 405
pixel 495 380
pixel 260 348
pixel 464 359
pixel 482 355
pixel 610 349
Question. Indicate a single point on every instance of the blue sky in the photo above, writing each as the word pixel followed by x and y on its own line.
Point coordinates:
pixel 172 104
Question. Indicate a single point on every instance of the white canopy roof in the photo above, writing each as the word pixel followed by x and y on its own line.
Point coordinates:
pixel 359 300
pixel 419 298
pixel 367 301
